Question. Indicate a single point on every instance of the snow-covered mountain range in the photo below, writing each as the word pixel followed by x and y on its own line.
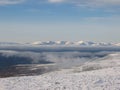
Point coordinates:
pixel 66 43
pixel 81 43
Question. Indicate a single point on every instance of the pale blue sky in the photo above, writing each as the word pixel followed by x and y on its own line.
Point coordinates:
pixel 73 20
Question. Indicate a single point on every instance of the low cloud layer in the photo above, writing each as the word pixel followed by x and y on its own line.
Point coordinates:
pixel 27 61
pixel 59 59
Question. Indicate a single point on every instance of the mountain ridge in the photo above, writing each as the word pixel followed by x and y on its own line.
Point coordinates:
pixel 66 43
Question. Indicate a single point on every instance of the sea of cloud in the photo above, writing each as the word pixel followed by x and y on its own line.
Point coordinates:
pixel 60 56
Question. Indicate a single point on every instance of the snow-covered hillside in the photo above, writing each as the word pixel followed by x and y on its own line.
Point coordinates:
pixel 104 79
pixel 100 74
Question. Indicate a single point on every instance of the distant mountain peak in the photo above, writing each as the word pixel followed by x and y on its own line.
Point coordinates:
pixel 64 43
pixel 81 43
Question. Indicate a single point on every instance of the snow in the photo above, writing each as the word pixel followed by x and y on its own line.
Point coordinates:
pixel 117 44
pixel 78 43
pixel 104 75
pixel 85 70
pixel 106 79
pixel 66 43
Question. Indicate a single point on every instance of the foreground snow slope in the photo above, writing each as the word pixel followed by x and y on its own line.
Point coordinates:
pixel 104 79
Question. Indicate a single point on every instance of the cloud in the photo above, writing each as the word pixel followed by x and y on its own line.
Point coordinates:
pixel 48 60
pixel 83 3
pixel 56 1
pixel 94 3
pixel 59 59
pixel 89 3
pixel 29 63
pixel 10 2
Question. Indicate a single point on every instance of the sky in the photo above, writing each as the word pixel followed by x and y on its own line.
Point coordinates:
pixel 67 20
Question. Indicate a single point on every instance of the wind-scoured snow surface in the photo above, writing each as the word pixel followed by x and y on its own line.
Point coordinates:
pixel 59 67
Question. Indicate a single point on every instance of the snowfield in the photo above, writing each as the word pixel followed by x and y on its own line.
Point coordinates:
pixel 100 74
pixel 105 79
